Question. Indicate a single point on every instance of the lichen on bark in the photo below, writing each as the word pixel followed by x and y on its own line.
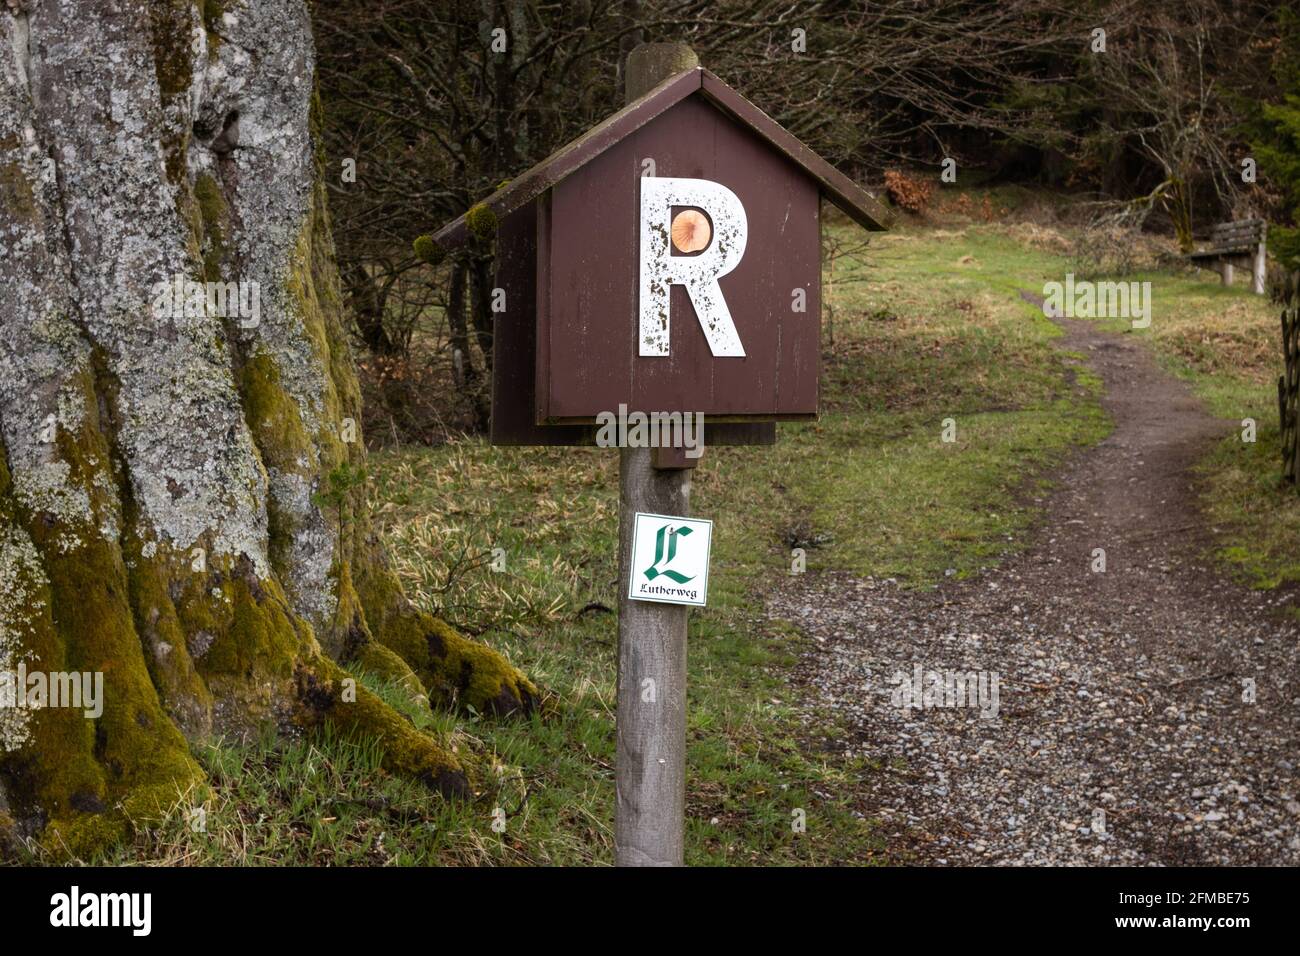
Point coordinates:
pixel 162 521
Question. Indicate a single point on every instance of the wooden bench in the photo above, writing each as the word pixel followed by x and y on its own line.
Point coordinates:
pixel 1239 243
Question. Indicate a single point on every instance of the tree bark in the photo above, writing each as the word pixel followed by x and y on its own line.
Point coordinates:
pixel 465 374
pixel 178 504
pixel 480 306
pixel 368 301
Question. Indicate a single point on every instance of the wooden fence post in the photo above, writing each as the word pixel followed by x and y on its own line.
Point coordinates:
pixel 1288 386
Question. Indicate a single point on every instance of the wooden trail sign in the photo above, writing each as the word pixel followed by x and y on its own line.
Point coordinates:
pixel 572 236
pixel 668 261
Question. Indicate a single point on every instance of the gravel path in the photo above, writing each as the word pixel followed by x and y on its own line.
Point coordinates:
pixel 1123 731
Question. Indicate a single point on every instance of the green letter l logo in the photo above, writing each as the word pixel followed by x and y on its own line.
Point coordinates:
pixel 671 534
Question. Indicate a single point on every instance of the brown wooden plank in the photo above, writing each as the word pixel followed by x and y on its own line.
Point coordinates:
pixel 1230 231
pixel 542 306
pixel 1226 250
pixel 514 339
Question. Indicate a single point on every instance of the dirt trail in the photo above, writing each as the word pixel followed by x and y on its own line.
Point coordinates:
pixel 1121 734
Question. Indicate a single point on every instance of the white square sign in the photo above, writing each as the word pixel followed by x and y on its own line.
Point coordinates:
pixel 670 559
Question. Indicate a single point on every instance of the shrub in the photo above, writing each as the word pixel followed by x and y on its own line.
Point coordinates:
pixel 908 192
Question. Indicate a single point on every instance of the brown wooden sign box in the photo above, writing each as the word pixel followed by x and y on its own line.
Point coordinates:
pixel 566 348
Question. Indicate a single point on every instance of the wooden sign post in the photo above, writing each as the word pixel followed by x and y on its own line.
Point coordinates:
pixel 650 760
pixel 650 753
pixel 665 263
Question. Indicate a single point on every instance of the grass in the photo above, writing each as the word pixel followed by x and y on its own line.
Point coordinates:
pixel 932 328
pixel 929 332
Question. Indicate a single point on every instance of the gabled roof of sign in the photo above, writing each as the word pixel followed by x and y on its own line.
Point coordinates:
pixel 855 202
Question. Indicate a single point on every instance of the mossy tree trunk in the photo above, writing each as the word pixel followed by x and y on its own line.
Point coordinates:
pixel 179 509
